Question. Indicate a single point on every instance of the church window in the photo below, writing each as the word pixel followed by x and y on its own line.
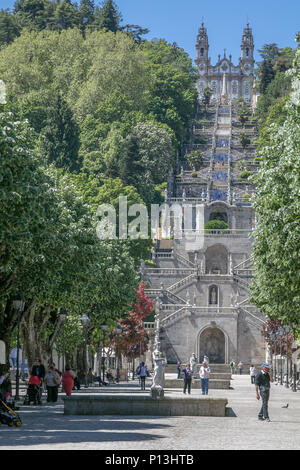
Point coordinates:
pixel 247 52
pixel 202 52
pixel 234 88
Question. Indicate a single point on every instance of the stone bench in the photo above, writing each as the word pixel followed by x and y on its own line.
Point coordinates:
pixel 214 384
pixel 130 405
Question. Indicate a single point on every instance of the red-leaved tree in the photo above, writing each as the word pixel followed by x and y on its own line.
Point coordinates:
pixel 133 341
pixel 272 326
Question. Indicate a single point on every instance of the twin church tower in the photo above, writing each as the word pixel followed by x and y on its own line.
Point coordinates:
pixel 225 78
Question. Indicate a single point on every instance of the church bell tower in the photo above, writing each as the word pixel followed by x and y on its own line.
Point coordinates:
pixel 247 50
pixel 202 60
pixel 202 50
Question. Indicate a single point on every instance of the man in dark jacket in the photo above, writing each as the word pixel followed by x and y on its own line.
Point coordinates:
pixel 39 370
pixel 262 387
pixel 187 376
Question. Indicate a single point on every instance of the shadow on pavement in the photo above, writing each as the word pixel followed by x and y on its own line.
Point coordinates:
pixel 59 429
pixel 230 413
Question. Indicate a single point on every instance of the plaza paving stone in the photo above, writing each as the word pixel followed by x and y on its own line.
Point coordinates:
pixel 46 428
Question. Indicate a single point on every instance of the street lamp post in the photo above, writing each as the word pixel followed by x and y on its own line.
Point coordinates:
pixel 104 329
pixel 63 318
pixel 119 330
pixel 280 333
pixel 275 354
pixel 272 339
pixel 85 321
pixel 19 306
pixel 287 330
pixel 294 326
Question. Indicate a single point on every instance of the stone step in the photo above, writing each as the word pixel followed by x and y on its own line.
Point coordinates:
pixel 215 368
pixel 214 376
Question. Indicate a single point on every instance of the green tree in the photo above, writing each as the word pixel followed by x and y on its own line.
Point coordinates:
pixel 278 88
pixel 195 159
pixel 276 239
pixel 207 93
pixel 109 17
pixel 269 52
pixel 109 193
pixel 24 196
pixel 9 28
pixel 59 139
pixel 135 31
pixel 285 59
pixel 71 267
pixel 242 111
pixel 172 94
pixel 66 15
pixel 151 148
pixel 34 14
pixel 244 140
pixel 86 13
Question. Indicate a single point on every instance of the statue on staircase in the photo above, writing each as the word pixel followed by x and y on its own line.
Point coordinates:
pixel 193 363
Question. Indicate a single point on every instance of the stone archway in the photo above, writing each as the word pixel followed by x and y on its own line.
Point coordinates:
pixel 216 260
pixel 213 345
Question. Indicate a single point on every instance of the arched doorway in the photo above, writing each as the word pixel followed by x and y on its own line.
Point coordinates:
pixel 212 344
pixel 216 260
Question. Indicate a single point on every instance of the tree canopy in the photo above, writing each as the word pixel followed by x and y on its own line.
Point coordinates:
pixel 276 238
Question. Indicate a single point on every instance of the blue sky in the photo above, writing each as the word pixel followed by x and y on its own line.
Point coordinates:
pixel 178 21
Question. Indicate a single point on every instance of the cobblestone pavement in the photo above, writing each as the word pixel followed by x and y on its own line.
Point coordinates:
pixel 46 428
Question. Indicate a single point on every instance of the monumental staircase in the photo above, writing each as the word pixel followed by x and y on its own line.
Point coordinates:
pixel 178 271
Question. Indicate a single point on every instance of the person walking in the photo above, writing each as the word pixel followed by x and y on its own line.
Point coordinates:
pixel 187 376
pixel 143 374
pixel 232 366
pixel 68 380
pixel 38 370
pixel 204 374
pixel 253 373
pixel 5 384
pixel 262 387
pixel 56 370
pixel 178 367
pixel 240 366
pixel 52 381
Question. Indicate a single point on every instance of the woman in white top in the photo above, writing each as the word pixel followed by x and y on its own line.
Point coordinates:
pixel 253 373
pixel 204 374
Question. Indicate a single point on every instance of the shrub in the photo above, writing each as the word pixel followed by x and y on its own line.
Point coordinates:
pixel 244 175
pixel 149 262
pixel 215 225
pixel 194 174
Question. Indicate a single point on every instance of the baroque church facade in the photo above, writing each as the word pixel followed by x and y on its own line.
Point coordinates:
pixel 200 281
pixel 237 79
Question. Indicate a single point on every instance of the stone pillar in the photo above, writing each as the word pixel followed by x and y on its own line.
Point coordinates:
pixel 157 390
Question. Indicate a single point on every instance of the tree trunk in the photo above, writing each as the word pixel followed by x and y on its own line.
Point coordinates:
pixel 8 326
pixel 29 336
